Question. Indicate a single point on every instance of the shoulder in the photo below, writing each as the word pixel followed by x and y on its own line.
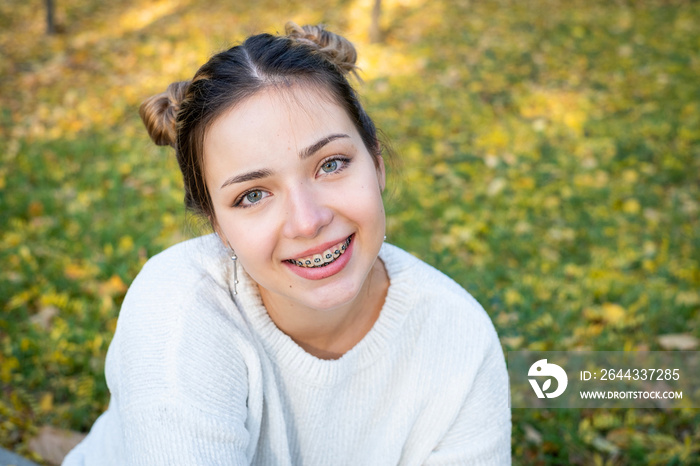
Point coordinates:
pixel 183 375
pixel 179 331
pixel 192 273
pixel 434 295
pixel 188 281
pixel 449 343
pixel 183 266
pixel 446 331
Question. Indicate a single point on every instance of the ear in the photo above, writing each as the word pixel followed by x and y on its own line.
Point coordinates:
pixel 381 173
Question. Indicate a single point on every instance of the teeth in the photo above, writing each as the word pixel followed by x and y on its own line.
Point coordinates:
pixel 325 258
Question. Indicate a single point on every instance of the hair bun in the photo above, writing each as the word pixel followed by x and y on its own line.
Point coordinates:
pixel 159 113
pixel 337 49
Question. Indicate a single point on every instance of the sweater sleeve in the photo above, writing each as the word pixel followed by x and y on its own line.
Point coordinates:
pixel 195 419
pixel 180 373
pixel 481 432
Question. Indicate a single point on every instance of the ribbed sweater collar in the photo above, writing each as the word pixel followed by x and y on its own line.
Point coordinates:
pixel 289 356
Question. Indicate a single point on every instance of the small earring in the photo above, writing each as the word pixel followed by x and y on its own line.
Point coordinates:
pixel 384 237
pixel 234 258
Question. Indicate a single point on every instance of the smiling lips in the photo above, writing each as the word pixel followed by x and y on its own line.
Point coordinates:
pixel 323 259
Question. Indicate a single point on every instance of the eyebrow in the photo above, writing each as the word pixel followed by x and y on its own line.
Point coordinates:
pixel 303 154
pixel 254 175
pixel 313 148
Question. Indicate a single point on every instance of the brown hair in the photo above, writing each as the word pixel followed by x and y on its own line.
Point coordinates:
pixel 309 55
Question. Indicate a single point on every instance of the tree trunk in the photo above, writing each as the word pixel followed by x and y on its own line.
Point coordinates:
pixel 375 32
pixel 50 23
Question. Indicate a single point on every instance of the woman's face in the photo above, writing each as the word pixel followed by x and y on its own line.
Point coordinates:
pixel 297 195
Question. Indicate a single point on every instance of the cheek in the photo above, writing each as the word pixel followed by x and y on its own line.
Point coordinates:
pixel 365 204
pixel 251 239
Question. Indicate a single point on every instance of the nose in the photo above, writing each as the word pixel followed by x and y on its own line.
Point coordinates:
pixel 306 213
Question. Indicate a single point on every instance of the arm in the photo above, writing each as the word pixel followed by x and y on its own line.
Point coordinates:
pixel 170 432
pixel 183 388
pixel 480 434
pixel 180 375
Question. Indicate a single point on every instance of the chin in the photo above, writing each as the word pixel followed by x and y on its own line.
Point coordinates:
pixel 333 299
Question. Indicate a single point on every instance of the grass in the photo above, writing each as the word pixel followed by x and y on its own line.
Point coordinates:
pixel 547 158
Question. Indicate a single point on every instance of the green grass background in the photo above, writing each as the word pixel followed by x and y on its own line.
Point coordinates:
pixel 547 158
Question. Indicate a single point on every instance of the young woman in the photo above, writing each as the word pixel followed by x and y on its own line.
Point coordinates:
pixel 294 334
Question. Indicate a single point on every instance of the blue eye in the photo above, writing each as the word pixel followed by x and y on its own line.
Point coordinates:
pixel 330 166
pixel 254 196
pixel 251 198
pixel 334 165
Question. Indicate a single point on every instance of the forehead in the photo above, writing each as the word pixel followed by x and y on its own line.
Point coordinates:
pixel 276 120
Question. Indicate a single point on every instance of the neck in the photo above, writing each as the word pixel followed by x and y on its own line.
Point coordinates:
pixel 330 334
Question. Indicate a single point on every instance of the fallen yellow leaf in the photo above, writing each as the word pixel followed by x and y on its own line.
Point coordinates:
pixel 613 313
pixel 678 341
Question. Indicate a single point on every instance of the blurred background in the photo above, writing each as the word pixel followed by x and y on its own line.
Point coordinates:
pixel 547 158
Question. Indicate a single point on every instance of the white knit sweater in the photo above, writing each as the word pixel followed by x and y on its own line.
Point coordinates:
pixel 200 378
